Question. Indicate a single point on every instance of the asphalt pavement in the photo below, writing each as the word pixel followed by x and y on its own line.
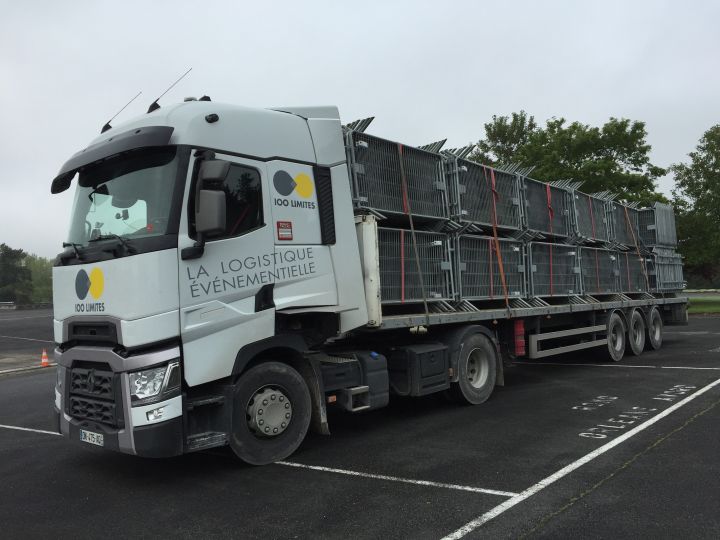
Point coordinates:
pixel 23 336
pixel 569 448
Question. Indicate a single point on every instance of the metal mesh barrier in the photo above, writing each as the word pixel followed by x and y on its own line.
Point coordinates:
pixel 479 269
pixel 632 272
pixel 377 180
pixel 600 271
pixel 537 211
pixel 471 195
pixel 657 225
pixel 623 232
pixel 590 217
pixel 665 270
pixel 399 279
pixel 554 270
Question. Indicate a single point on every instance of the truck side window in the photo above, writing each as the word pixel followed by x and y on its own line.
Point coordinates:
pixel 243 196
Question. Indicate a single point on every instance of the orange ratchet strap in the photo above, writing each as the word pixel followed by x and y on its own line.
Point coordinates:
pixel 496 240
pixel 637 247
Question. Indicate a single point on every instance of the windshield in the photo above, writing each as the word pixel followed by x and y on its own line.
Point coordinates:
pixel 130 196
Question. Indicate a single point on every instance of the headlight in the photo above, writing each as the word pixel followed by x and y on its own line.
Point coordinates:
pixel 148 383
pixel 152 385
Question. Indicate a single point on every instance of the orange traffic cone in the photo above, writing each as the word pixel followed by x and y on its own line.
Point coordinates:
pixel 44 362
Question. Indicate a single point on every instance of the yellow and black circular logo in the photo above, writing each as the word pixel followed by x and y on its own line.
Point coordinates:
pixel 285 184
pixel 93 283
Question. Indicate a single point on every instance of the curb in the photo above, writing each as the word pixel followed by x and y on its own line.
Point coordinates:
pixel 21 369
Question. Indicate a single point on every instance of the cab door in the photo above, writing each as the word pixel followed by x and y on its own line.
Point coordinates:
pixel 226 297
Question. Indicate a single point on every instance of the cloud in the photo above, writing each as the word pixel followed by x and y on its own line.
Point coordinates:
pixel 425 71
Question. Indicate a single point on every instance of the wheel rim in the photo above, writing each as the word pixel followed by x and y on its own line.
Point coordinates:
pixel 637 333
pixel 656 329
pixel 269 411
pixel 478 368
pixel 616 338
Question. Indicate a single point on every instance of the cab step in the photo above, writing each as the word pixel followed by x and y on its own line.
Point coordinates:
pixel 209 439
pixel 355 399
pixel 201 402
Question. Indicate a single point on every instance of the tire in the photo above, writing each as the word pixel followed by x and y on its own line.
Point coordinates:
pixel 654 330
pixel 477 369
pixel 616 337
pixel 264 396
pixel 636 332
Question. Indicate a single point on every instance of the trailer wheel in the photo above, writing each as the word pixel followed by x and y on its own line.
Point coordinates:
pixel 636 332
pixel 477 368
pixel 616 337
pixel 654 329
pixel 270 414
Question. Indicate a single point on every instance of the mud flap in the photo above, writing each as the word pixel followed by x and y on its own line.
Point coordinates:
pixel 313 377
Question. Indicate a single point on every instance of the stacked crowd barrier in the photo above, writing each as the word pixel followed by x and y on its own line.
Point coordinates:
pixel 488 234
pixel 478 268
pixel 400 268
pixel 483 196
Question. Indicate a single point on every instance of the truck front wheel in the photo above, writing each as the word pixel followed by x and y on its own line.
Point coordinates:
pixel 271 413
pixel 477 368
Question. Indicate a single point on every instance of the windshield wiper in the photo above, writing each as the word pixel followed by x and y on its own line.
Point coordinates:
pixel 112 236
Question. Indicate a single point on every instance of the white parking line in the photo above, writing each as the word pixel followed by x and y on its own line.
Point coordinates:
pixel 29 429
pixel 27 339
pixel 397 479
pixel 611 365
pixel 693 333
pixel 343 471
pixel 532 490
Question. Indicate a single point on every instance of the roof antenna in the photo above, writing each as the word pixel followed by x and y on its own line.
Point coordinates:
pixel 107 124
pixel 154 105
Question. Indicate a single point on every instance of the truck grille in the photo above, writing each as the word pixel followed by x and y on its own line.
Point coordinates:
pixel 90 382
pixel 93 409
pixel 93 395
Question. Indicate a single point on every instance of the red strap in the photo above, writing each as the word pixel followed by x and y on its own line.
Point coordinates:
pixel 492 277
pixel 495 233
pixel 403 187
pixel 627 266
pixel 592 217
pixel 597 271
pixel 402 266
pixel 551 214
pixel 637 248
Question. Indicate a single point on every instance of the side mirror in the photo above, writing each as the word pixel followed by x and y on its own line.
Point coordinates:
pixel 212 169
pixel 210 212
pixel 210 207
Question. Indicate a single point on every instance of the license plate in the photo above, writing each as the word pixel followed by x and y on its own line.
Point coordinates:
pixel 92 437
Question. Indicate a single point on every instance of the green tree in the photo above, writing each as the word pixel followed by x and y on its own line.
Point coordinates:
pixel 41 277
pixel 15 278
pixel 504 137
pixel 697 200
pixel 614 157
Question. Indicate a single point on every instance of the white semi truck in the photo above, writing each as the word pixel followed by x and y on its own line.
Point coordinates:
pixel 224 283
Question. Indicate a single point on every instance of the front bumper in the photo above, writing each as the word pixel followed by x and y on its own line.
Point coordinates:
pixel 126 429
pixel 164 439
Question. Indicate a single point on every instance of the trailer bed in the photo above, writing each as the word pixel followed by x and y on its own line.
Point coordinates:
pixel 470 313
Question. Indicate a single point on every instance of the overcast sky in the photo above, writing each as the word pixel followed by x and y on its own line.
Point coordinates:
pixel 426 70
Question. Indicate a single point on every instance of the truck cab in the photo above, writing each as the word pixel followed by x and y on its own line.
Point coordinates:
pixel 205 240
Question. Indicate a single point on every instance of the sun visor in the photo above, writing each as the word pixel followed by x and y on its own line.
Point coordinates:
pixel 141 137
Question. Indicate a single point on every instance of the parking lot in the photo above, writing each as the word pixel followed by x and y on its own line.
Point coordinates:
pixel 568 448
